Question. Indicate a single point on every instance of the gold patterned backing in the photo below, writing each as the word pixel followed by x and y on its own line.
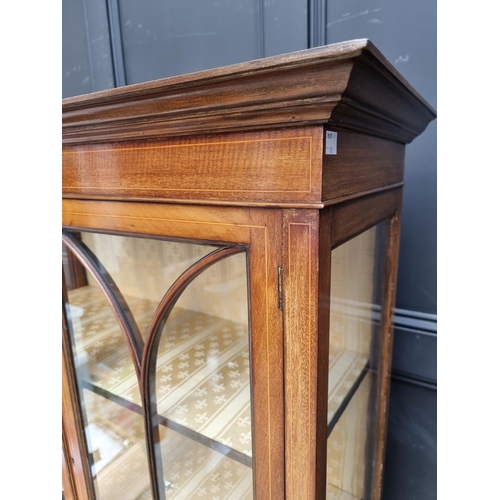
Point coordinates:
pixel 191 470
pixel 146 268
pixel 202 384
pixel 354 316
pixel 202 367
pixel 346 446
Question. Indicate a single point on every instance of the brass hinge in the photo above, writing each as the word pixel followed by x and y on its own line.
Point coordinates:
pixel 280 288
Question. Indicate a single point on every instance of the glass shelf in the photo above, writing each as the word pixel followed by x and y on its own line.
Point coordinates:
pixel 191 470
pixel 346 372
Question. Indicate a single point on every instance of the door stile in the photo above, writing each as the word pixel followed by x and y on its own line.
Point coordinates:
pixel 303 360
pixel 266 354
pixel 73 421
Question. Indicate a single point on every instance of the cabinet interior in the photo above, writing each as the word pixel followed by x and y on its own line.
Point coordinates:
pixel 203 390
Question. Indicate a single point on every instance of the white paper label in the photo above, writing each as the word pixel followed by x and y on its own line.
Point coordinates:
pixel 331 143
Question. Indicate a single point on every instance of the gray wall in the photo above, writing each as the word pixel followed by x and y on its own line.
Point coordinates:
pixel 109 43
pixel 405 32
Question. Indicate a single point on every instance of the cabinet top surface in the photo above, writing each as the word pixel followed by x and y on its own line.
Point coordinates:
pixel 348 85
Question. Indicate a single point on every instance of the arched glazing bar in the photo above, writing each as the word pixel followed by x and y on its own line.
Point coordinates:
pixel 150 353
pixel 113 295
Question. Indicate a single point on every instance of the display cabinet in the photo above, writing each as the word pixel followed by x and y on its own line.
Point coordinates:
pixel 230 242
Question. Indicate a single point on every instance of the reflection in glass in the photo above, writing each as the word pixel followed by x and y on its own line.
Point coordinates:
pixel 203 390
pixel 354 326
pixel 114 430
pixel 142 268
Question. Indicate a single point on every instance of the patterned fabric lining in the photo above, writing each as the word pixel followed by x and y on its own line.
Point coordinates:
pixel 333 493
pixel 202 383
pixel 354 324
pixel 345 368
pixel 347 444
pixel 202 369
pixel 191 470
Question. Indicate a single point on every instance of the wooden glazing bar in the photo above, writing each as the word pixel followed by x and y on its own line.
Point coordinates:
pixel 113 295
pixel 345 401
pixel 172 424
pixel 148 367
pixel 393 229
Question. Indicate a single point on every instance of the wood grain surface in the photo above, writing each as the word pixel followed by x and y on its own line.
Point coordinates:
pixel 352 217
pixel 267 374
pixel 300 284
pixel 362 163
pixel 260 166
pixel 67 480
pixel 74 272
pixel 315 86
pixel 324 282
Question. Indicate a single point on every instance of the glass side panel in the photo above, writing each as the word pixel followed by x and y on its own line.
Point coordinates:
pixel 356 279
pixel 204 347
pixel 203 379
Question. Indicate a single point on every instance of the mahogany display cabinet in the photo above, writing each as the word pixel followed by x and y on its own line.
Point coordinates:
pixel 230 243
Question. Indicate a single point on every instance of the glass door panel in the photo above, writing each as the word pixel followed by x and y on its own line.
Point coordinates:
pixel 193 471
pixel 201 387
pixel 142 268
pixel 356 280
pixel 203 377
pixel 113 426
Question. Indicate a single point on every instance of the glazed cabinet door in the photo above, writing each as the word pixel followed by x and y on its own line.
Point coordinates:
pixel 167 340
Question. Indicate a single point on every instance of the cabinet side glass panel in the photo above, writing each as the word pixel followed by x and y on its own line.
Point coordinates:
pixel 355 300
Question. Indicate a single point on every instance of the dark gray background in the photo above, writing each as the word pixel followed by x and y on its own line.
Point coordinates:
pixel 108 43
